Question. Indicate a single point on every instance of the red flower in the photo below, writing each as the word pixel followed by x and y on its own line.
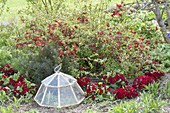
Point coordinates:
pixel 89 92
pixel 156 74
pixel 1 82
pixel 16 92
pixel 141 81
pixel 120 78
pixel 118 32
pixel 4 76
pixel 83 81
pixel 83 19
pixel 100 91
pixel 142 38
pixel 131 92
pixel 127 91
pixel 87 79
pixel 60 43
pixel 148 73
pixel 108 89
pixel 93 87
pixel 119 93
pixel 18 84
pixel 93 97
pixel 119 5
pixel 7 70
pixel 111 80
pixel 148 42
pixel 25 90
pixel 104 77
pixel 12 82
pixel 3 88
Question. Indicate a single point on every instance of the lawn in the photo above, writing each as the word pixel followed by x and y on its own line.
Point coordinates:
pixel 12 7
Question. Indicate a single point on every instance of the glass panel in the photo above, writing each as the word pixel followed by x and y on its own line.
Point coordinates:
pixel 69 79
pixel 66 96
pixel 54 82
pixel 63 81
pixel 51 97
pixel 77 91
pixel 40 94
pixel 48 79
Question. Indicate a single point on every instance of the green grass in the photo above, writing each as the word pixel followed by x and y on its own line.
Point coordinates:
pixel 15 5
pixel 11 9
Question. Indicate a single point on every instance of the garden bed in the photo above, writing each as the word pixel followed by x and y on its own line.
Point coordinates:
pixel 84 107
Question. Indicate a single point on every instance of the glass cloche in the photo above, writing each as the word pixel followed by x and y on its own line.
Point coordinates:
pixel 59 90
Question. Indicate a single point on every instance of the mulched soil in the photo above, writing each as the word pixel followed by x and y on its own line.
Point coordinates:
pixel 102 107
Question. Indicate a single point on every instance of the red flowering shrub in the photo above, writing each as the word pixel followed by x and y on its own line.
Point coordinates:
pixel 7 70
pixel 141 81
pixel 125 92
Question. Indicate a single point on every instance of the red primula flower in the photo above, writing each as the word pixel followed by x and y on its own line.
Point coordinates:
pixel 12 82
pixel 93 87
pixel 96 89
pixel 83 81
pixel 118 78
pixel 148 73
pixel 118 32
pixel 25 90
pixel 111 80
pixel 125 92
pixel 100 91
pixel 93 97
pixel 156 74
pixel 4 76
pixel 119 93
pixel 104 77
pixel 1 82
pixel 3 89
pixel 7 70
pixel 131 92
pixel 141 81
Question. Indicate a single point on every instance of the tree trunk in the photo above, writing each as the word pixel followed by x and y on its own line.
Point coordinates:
pixel 160 21
pixel 167 13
